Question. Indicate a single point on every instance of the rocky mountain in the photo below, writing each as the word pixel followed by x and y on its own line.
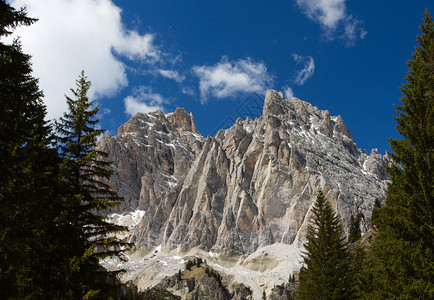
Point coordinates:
pixel 203 283
pixel 250 186
pixel 151 154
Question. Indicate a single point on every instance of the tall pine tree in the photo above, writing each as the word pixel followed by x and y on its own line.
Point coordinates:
pixel 51 235
pixel 403 247
pixel 29 170
pixel 89 236
pixel 327 272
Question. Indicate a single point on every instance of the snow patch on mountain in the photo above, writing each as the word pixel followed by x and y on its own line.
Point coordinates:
pixel 128 219
pixel 262 270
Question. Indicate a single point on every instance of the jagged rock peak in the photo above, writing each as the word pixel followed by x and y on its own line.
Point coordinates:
pixel 250 186
pixel 182 121
pixel 151 154
pixel 179 120
pixel 302 114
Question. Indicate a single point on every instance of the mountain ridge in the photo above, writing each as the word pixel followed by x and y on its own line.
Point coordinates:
pixel 250 186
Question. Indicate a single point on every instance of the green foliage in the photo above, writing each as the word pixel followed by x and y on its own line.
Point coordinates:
pixel 198 261
pixel 85 173
pixel 403 247
pixel 156 294
pixel 10 19
pixel 212 273
pixel 327 273
pixel 51 235
pixel 249 290
pixel 354 231
pixel 362 264
pixel 29 171
pixel 195 262
pixel 189 264
pixel 375 212
pixel 131 292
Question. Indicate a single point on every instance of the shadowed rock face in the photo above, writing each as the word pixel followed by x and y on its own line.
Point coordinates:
pixel 250 186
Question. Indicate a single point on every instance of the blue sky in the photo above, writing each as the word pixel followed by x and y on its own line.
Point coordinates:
pixel 346 56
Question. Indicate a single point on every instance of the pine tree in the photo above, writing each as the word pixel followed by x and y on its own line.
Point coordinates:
pixel 85 170
pixel 327 271
pixel 403 248
pixel 375 212
pixel 354 231
pixel 29 170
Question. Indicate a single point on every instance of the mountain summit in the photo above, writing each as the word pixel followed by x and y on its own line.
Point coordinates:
pixel 250 186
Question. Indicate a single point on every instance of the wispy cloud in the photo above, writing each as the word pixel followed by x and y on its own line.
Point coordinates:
pixel 353 29
pixel 334 19
pixel 287 90
pixel 308 68
pixel 72 35
pixel 172 74
pixel 143 100
pixel 188 91
pixel 228 78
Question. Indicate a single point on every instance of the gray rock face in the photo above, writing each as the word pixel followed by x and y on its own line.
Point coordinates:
pixel 151 155
pixel 250 186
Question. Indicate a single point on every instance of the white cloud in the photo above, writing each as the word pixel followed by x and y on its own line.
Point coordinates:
pixel 288 92
pixel 228 78
pixel 353 30
pixel 143 100
pixel 333 17
pixel 188 91
pixel 326 12
pixel 72 35
pixel 308 68
pixel 172 74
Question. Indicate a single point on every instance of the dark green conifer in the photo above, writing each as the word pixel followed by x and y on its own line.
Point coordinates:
pixel 85 172
pixel 28 174
pixel 375 211
pixel 327 272
pixel 354 231
pixel 403 247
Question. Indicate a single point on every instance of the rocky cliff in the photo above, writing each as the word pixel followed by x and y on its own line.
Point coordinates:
pixel 151 154
pixel 250 186
pixel 199 283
